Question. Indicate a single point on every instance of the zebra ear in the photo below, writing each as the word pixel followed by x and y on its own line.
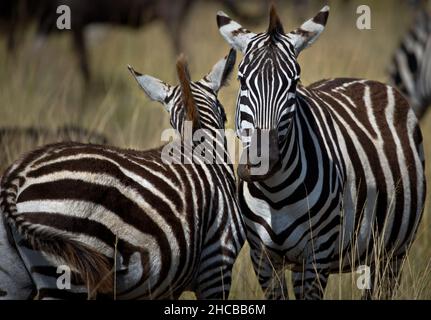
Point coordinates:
pixel 310 30
pixel 237 36
pixel 155 89
pixel 220 73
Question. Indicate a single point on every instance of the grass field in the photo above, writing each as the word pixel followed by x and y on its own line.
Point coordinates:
pixel 44 88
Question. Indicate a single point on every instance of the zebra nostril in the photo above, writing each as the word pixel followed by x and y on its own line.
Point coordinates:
pixel 2 293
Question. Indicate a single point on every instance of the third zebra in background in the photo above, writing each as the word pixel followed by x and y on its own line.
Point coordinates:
pixel 345 184
pixel 127 223
pixel 410 70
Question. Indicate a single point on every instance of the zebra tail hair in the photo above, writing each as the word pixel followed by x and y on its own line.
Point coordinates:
pixel 94 268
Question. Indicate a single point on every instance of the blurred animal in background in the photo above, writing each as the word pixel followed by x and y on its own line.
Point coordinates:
pixel 7 16
pixel 15 14
pixel 410 70
pixel 417 3
pixel 304 5
pixel 16 140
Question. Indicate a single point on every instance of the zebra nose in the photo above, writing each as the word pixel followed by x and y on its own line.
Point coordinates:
pixel 262 156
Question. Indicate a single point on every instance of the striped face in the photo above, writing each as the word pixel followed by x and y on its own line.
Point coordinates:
pixel 191 101
pixel 268 75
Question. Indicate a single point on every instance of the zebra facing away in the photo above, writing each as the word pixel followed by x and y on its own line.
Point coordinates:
pixel 164 228
pixel 410 70
pixel 345 185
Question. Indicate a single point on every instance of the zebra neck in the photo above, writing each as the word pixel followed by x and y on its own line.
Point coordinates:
pixel 212 149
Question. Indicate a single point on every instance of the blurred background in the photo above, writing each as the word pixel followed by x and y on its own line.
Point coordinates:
pixel 74 84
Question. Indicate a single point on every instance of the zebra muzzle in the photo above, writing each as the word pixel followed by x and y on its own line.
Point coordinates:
pixel 261 159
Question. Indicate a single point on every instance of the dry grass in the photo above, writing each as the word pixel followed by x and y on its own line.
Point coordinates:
pixel 44 89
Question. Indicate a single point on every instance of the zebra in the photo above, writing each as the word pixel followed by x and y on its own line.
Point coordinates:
pixel 128 224
pixel 345 184
pixel 410 69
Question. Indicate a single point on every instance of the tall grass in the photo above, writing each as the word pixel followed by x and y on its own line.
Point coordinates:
pixel 44 88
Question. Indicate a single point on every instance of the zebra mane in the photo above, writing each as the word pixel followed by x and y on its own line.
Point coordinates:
pixel 191 113
pixel 275 26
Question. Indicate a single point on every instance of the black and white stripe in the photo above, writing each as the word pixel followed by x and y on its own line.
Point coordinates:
pixel 163 228
pixel 346 183
pixel 410 70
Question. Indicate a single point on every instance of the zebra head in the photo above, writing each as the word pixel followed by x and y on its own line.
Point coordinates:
pixel 191 101
pixel 268 76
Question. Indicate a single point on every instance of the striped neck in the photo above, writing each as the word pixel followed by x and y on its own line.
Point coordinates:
pixel 289 150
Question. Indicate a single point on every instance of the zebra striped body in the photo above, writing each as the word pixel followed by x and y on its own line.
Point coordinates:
pixel 164 228
pixel 410 70
pixel 348 186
